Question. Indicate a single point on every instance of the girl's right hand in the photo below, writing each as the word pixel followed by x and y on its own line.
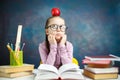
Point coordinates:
pixel 51 39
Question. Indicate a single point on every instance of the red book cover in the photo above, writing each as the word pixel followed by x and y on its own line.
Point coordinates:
pixel 88 61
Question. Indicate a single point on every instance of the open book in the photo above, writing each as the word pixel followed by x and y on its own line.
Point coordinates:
pixel 66 71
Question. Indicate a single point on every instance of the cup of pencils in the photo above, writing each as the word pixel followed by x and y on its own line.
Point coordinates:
pixel 16 57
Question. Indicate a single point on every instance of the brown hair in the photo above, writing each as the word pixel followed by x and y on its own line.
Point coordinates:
pixel 46 36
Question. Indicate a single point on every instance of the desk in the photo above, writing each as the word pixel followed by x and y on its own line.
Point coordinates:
pixel 31 77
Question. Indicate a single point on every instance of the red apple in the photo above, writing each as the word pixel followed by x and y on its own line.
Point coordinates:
pixel 55 12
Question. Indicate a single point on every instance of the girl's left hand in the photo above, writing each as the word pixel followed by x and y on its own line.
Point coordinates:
pixel 63 40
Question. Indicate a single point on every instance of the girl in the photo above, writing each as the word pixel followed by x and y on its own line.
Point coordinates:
pixel 56 50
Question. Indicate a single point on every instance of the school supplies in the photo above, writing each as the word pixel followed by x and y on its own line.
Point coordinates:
pixel 22 46
pixel 9 48
pixel 16 60
pixel 16 54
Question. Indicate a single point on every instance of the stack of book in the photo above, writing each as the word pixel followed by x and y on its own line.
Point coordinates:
pixel 100 67
pixel 8 71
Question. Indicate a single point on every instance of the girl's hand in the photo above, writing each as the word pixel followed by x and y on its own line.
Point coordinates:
pixel 51 39
pixel 63 40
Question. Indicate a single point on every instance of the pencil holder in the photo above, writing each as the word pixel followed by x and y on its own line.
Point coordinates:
pixel 16 58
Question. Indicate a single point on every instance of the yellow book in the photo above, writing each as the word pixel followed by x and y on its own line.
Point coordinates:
pixel 12 69
pixel 100 76
pixel 16 74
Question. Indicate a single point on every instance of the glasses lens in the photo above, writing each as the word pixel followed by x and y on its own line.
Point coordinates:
pixel 63 27
pixel 53 27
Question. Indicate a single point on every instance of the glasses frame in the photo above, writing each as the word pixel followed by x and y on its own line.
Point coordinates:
pixel 54 27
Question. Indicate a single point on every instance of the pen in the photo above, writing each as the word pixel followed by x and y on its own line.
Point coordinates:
pixel 12 46
pixel 22 46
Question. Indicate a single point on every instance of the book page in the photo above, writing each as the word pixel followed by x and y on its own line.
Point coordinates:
pixel 68 67
pixel 47 68
pixel 74 75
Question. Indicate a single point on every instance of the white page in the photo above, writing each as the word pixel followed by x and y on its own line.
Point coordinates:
pixel 67 67
pixel 45 67
pixel 73 75
pixel 48 76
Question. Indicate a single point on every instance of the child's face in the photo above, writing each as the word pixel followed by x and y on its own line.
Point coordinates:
pixel 56 27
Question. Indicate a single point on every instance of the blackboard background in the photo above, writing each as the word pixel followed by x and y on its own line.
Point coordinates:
pixel 93 26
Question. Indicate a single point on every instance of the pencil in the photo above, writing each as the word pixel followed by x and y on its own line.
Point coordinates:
pixel 9 48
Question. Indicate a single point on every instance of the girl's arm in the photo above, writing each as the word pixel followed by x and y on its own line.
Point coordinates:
pixel 66 53
pixel 48 58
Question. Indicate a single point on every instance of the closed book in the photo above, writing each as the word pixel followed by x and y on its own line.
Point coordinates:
pixel 13 75
pixel 103 70
pixel 104 57
pixel 12 69
pixel 100 76
pixel 28 77
pixel 97 63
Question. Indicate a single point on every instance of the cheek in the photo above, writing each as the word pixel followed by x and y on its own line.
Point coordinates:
pixel 51 32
